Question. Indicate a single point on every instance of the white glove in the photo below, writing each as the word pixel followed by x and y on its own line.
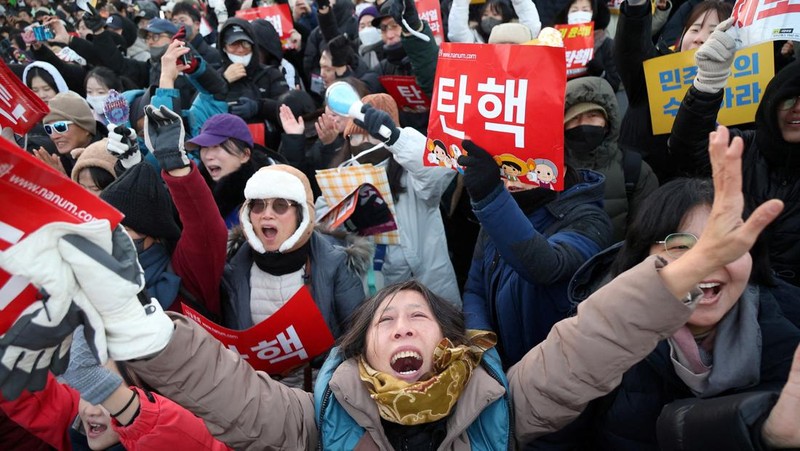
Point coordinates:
pixel 123 145
pixel 40 337
pixel 136 327
pixel 714 59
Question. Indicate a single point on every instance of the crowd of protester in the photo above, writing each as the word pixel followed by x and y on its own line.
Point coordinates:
pixel 653 303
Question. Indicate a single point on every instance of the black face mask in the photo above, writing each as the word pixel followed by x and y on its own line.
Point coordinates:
pixel 487 23
pixel 584 138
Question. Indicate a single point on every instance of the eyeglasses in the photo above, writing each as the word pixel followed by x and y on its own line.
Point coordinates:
pixel 676 244
pixel 154 37
pixel 788 104
pixel 57 127
pixel 389 27
pixel 243 44
pixel 279 206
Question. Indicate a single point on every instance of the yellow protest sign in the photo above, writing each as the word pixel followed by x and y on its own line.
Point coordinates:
pixel 669 76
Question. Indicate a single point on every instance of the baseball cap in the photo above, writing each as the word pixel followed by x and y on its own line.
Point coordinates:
pixel 159 26
pixel 220 127
pixel 236 33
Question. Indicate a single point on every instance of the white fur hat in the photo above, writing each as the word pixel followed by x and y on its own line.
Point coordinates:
pixel 279 181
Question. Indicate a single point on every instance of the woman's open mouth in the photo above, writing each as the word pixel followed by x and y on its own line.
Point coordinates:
pixel 406 364
pixel 269 232
pixel 94 430
pixel 711 292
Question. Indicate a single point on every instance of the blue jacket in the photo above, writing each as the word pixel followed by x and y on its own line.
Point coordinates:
pixel 517 285
pixel 491 430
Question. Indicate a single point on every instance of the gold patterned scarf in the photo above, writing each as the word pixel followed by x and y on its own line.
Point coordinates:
pixel 432 398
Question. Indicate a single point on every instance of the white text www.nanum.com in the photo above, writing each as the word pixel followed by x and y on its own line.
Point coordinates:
pixel 51 197
pixel 458 56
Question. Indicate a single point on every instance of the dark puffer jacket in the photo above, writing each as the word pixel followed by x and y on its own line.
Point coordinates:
pixel 607 158
pixel 770 167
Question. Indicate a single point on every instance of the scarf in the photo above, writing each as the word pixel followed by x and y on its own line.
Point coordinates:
pixel 433 398
pixel 160 281
pixel 728 358
pixel 279 264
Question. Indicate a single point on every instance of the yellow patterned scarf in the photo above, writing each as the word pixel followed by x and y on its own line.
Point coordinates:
pixel 433 398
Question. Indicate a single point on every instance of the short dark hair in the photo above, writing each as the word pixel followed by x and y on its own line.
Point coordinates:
pixel 100 177
pixel 449 317
pixel 106 76
pixel 188 9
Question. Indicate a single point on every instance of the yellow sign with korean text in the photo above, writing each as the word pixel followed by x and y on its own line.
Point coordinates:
pixel 668 77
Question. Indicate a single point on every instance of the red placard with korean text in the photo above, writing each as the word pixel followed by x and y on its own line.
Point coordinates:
pixel 292 336
pixel 765 20
pixel 513 108
pixel 33 194
pixel 406 92
pixel 278 15
pixel 431 12
pixel 579 46
pixel 20 108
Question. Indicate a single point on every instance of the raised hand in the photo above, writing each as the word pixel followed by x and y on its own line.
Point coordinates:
pixel 49 159
pixel 481 173
pixel 290 124
pixel 782 428
pixel 326 129
pixel 374 119
pixel 714 59
pixel 122 144
pixel 164 134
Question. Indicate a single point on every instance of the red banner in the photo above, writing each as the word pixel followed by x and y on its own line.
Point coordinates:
pixel 278 15
pixel 406 92
pixel 292 336
pixel 431 12
pixel 20 108
pixel 33 194
pixel 492 94
pixel 579 45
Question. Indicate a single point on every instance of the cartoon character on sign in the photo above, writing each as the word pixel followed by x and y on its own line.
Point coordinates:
pixel 441 155
pixel 512 168
pixel 546 173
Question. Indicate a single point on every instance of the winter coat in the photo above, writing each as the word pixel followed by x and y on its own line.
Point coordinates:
pixel 263 83
pixel 603 64
pixel 607 158
pixel 336 287
pixel 458 21
pixel 548 388
pixel 307 153
pixel 161 423
pixel 522 264
pixel 347 23
pixel 210 55
pixel 633 46
pixel 626 418
pixel 770 166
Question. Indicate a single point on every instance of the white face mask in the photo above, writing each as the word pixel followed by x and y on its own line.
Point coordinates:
pixel 579 17
pixel 243 60
pixel 369 36
pixel 97 103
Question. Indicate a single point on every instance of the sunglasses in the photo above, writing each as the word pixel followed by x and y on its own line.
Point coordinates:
pixel 57 127
pixel 279 206
pixel 787 104
pixel 677 244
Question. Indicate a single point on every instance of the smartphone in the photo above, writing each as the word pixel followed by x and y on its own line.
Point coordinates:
pixel 186 58
pixel 43 32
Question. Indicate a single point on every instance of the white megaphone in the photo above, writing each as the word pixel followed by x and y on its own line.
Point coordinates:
pixel 343 100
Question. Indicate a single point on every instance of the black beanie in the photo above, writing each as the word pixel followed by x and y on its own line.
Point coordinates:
pixel 140 194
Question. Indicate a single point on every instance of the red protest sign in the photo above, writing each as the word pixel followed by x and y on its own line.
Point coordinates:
pixel 33 194
pixel 431 12
pixel 278 15
pixel 765 20
pixel 292 336
pixel 492 94
pixel 20 108
pixel 579 46
pixel 406 92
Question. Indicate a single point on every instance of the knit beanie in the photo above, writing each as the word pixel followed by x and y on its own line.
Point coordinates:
pixel 140 194
pixel 69 106
pixel 279 181
pixel 510 33
pixel 95 155
pixel 383 102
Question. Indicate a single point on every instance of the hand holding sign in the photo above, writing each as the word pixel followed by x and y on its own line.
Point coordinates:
pixel 481 174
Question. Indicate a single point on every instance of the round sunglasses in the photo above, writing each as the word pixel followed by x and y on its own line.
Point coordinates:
pixel 279 206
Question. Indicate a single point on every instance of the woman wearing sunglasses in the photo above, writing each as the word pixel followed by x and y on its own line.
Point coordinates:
pixel 737 340
pixel 280 253
pixel 771 161
pixel 70 125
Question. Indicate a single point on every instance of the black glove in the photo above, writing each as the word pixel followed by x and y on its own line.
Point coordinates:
pixel 373 120
pixel 122 144
pixel 246 108
pixel 94 22
pixel 341 51
pixel 406 9
pixel 164 135
pixel 323 4
pixel 481 173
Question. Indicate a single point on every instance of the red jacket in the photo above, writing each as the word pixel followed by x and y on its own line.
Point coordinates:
pixel 161 424
pixel 199 256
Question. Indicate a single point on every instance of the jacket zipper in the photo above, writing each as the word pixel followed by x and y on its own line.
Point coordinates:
pixel 326 397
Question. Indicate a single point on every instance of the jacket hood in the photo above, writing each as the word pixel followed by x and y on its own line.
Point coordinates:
pixel 61 84
pixel 778 152
pixel 248 29
pixel 267 39
pixel 344 11
pixel 595 90
pixel 593 274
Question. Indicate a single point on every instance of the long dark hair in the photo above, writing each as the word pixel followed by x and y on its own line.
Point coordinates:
pixel 722 9
pixel 450 318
